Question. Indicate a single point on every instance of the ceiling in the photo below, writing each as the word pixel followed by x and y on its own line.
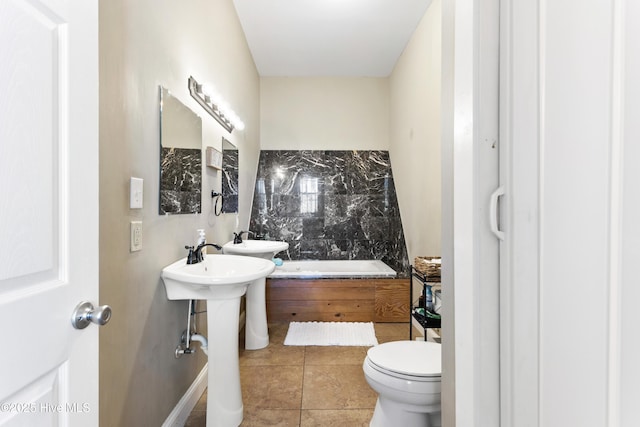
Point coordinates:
pixel 328 37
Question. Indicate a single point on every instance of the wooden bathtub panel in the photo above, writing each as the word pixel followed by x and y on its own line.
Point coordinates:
pixel 306 294
pixel 325 300
pixel 355 306
pixel 392 302
pixel 311 316
pixel 322 311
pixel 324 283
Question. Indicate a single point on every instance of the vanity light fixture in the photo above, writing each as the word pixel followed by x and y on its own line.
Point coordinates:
pixel 215 106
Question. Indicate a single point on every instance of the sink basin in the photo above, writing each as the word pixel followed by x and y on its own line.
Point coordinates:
pixel 266 249
pixel 221 280
pixel 218 277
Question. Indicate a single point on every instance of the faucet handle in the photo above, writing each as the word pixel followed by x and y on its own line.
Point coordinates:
pixel 237 237
pixel 191 258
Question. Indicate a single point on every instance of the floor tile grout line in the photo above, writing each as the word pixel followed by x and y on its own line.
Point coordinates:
pixel 304 367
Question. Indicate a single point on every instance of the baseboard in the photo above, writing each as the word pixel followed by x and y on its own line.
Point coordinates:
pixel 178 417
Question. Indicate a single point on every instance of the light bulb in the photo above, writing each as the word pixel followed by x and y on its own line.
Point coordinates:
pixel 223 107
pixel 207 89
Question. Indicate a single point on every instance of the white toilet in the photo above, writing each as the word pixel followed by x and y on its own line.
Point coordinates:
pixel 406 376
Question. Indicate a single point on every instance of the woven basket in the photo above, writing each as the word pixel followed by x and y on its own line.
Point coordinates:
pixel 424 265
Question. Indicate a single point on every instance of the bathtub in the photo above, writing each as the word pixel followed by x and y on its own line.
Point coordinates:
pixel 337 291
pixel 332 269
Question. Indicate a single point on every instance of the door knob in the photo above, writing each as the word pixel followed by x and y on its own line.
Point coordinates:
pixel 86 313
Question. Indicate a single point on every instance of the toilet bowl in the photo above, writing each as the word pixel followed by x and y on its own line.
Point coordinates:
pixel 406 376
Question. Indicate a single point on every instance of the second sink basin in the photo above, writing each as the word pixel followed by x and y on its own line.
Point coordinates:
pixel 266 249
pixel 219 276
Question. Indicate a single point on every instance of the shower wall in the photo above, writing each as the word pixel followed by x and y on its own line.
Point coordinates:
pixel 329 205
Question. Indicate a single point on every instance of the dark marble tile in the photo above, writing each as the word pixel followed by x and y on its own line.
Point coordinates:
pixel 358 206
pixel 376 228
pixel 283 180
pixel 313 163
pixel 283 228
pixel 350 228
pixel 230 172
pixel 332 204
pixel 180 181
pixel 381 205
pixel 336 180
pixel 381 249
pixel 181 169
pixel 230 180
pixel 313 249
pixel 368 172
pixel 180 202
pixel 361 250
pixel 288 205
pixel 335 183
pixel 313 228
pixel 230 203
pixel 335 208
pixel 338 249
pixel 293 252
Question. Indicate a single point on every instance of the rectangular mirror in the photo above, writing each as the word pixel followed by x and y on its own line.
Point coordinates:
pixel 230 164
pixel 180 157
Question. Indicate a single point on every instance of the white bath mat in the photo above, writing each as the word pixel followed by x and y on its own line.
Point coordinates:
pixel 331 333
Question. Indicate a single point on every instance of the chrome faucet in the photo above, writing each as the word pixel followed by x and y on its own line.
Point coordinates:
pixel 195 255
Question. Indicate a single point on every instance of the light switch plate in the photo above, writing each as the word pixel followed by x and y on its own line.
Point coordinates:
pixel 136 236
pixel 136 193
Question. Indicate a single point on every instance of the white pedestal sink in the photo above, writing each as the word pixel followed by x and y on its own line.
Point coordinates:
pixel 265 249
pixel 256 329
pixel 221 280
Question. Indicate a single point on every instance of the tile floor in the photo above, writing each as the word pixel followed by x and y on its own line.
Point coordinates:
pixel 305 386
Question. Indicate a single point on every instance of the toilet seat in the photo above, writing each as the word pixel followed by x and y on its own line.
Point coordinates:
pixel 406 375
pixel 415 360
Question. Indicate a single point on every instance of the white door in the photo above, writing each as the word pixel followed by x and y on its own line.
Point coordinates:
pixel 569 289
pixel 470 341
pixel 48 211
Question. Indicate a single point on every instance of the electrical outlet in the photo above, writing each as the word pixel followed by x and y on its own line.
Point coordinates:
pixel 136 236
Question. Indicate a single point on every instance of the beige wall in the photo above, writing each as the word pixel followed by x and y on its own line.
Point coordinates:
pixel 400 113
pixel 324 113
pixel 415 86
pixel 144 44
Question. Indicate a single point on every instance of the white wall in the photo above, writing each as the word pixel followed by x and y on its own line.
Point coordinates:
pixel 415 135
pixel 324 113
pixel 143 44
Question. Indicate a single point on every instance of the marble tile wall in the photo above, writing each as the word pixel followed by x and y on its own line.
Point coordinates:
pixel 329 205
pixel 180 181
pixel 230 160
